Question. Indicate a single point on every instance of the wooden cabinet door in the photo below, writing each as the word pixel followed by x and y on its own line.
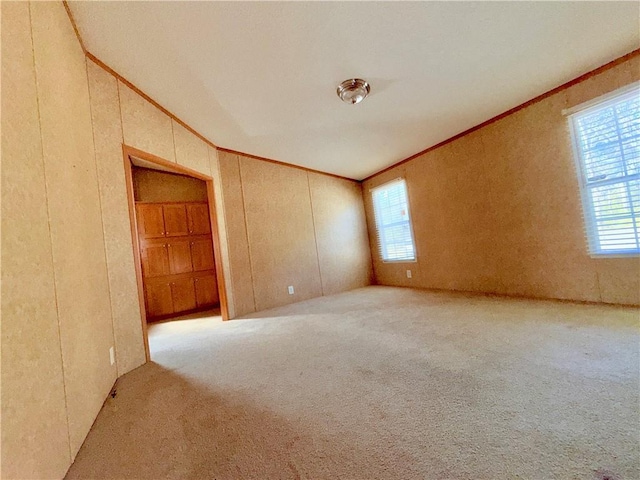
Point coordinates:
pixel 206 290
pixel 159 300
pixel 155 260
pixel 199 221
pixel 179 257
pixel 175 220
pixel 183 294
pixel 202 255
pixel 150 220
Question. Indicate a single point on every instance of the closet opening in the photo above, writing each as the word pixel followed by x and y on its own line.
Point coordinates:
pixel 175 243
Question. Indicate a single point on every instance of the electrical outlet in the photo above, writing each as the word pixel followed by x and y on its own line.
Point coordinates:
pixel 290 288
pixel 408 273
pixel 112 355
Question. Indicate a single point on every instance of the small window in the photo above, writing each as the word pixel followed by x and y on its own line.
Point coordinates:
pixel 606 136
pixel 393 224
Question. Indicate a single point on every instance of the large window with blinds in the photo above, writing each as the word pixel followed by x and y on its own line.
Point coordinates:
pixel 393 223
pixel 606 135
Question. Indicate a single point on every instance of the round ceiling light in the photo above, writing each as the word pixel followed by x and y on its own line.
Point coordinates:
pixel 353 90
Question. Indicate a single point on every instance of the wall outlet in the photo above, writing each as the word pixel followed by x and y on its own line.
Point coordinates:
pixel 290 288
pixel 408 273
pixel 112 355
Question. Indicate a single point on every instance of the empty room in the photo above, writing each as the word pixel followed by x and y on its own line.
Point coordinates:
pixel 320 240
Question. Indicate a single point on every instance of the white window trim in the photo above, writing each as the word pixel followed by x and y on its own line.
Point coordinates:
pixel 375 221
pixel 589 223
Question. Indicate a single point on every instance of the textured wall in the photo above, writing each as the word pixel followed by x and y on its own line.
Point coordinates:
pixel 58 346
pixel 35 437
pixel 68 279
pixel 280 233
pixel 499 210
pixel 221 221
pixel 341 233
pixel 82 288
pixel 156 186
pixel 191 151
pixel 107 134
pixel 144 126
pixel 286 226
pixel 240 278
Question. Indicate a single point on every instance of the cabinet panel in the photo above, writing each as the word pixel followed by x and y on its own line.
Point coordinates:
pixel 175 220
pixel 206 290
pixel 183 294
pixel 202 255
pixel 150 220
pixel 179 257
pixel 159 300
pixel 167 263
pixel 199 221
pixel 155 260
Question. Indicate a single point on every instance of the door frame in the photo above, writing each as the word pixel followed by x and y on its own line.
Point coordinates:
pixel 128 152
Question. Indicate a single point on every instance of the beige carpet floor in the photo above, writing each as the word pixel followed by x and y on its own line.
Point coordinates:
pixel 381 383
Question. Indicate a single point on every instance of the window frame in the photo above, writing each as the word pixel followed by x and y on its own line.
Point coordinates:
pixel 588 209
pixel 409 221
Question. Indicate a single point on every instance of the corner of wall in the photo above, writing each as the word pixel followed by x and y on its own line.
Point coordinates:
pixel 222 228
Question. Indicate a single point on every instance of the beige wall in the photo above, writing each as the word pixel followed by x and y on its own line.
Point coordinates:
pixel 341 233
pixel 75 220
pixel 107 131
pixel 240 279
pixel 499 209
pixel 68 279
pixel 33 400
pixel 154 186
pixel 287 226
pixel 57 322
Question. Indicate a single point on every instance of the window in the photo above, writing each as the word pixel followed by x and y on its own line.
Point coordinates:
pixel 393 224
pixel 606 136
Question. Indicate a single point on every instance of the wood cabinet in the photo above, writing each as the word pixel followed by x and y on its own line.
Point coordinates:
pixel 150 220
pixel 180 256
pixel 175 220
pixel 155 260
pixel 183 294
pixel 178 265
pixel 202 255
pixel 199 220
pixel 158 299
pixel 206 290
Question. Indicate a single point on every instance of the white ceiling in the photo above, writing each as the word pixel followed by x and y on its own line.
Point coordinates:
pixel 260 77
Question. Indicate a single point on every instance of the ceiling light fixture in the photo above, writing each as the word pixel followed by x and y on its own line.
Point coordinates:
pixel 353 90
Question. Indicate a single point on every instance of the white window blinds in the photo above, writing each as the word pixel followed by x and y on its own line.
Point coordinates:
pixel 606 136
pixel 393 224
